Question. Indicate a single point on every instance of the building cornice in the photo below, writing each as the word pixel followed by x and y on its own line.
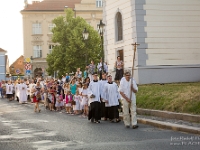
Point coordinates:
pixel 55 11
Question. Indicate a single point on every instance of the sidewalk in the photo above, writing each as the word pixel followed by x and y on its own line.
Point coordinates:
pixel 169 120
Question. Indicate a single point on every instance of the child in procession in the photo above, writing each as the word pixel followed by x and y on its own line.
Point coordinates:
pixel 59 102
pixel 68 101
pixel 76 107
pixel 84 101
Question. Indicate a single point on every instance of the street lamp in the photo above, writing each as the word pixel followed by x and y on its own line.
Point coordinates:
pixel 85 34
pixel 85 37
pixel 100 27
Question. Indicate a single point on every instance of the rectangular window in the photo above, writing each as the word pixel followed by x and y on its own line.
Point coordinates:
pixel 37 29
pixel 51 26
pixel 37 49
pixel 99 3
pixel 51 48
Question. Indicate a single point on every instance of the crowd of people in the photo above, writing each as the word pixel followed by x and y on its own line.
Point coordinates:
pixel 95 96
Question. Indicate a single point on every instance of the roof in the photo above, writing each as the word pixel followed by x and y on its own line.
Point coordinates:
pixel 21 57
pixel 51 5
pixel 2 50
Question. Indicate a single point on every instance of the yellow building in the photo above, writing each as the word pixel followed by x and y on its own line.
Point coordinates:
pixel 37 26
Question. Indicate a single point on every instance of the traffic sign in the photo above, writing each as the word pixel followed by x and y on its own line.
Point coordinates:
pixel 28 60
pixel 27 66
pixel 28 72
pixel 17 71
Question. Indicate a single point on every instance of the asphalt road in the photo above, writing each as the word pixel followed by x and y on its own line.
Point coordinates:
pixel 23 129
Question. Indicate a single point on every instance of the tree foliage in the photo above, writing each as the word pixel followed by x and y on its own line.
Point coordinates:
pixel 72 51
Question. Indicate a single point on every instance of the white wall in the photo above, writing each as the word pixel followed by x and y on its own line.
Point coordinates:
pixel 111 7
pixel 170 33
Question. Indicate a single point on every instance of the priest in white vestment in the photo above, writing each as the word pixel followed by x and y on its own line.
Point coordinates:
pixel 17 89
pixel 22 92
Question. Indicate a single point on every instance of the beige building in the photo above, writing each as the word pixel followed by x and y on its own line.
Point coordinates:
pixel 37 26
pixel 168 33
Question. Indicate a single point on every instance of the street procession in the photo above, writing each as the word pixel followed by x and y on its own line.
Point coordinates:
pixel 95 97
pixel 99 74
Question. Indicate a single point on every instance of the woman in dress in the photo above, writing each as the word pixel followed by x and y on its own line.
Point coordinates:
pixel 73 87
pixel 37 98
pixel 51 97
pixel 119 69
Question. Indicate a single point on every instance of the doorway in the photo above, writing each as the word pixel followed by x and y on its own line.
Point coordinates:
pixel 121 54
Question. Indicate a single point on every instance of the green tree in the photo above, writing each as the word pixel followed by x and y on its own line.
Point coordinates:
pixel 72 51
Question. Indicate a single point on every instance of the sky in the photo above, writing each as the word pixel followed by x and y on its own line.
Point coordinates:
pixel 11 29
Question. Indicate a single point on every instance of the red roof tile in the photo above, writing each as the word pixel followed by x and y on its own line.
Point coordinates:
pixel 51 5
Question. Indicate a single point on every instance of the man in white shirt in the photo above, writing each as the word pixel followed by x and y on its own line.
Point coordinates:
pixel 129 100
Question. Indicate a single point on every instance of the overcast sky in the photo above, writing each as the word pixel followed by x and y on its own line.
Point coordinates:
pixel 11 33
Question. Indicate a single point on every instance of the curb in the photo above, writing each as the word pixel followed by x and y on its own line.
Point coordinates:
pixel 169 126
pixel 169 115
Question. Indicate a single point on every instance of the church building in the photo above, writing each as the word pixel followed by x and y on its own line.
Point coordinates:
pixel 168 33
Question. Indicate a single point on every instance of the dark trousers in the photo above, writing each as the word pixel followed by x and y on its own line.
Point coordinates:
pixel 114 113
pixel 102 109
pixel 94 111
pixel 107 112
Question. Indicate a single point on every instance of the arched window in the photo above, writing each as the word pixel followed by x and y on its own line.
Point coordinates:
pixel 119 27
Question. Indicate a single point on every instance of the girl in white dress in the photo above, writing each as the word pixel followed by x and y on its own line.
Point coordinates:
pixel 79 88
pixel 84 101
pixel 59 102
pixel 76 107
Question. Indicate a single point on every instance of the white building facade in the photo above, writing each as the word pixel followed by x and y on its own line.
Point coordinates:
pixel 168 33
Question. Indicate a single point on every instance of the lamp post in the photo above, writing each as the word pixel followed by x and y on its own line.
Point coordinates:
pixel 85 37
pixel 100 27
